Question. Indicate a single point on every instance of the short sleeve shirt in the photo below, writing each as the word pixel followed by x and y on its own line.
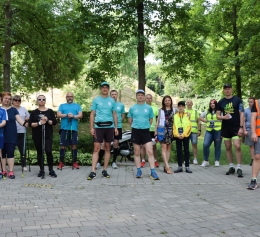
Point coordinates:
pixel 67 123
pixel 23 113
pixel 2 118
pixel 120 109
pixel 247 115
pixel 140 115
pixel 104 108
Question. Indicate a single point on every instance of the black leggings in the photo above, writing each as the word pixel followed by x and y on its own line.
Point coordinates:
pixel 48 152
pixel 20 139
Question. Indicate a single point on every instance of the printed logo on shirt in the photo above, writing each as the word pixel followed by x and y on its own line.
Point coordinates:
pixel 145 110
pixel 109 103
pixel 118 108
pixel 229 108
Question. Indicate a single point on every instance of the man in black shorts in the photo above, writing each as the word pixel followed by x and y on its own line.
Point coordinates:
pixel 140 117
pixel 231 111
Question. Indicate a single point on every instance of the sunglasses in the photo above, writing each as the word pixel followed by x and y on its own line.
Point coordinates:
pixel 41 99
pixel 17 100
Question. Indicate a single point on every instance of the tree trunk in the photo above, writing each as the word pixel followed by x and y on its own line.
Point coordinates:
pixel 140 47
pixel 7 46
pixel 236 49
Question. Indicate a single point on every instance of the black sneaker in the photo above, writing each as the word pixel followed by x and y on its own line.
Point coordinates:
pixel 239 173
pixel 188 170
pixel 178 170
pixel 52 174
pixel 231 171
pixel 91 176
pixel 252 185
pixel 41 173
pixel 105 174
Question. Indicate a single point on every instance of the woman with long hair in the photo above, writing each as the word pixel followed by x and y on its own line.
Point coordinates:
pixel 165 120
pixel 10 134
pixel 213 133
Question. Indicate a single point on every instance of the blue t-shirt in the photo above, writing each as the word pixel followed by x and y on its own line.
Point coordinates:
pixel 66 109
pixel 2 118
pixel 104 108
pixel 10 129
pixel 140 115
pixel 120 109
pixel 247 115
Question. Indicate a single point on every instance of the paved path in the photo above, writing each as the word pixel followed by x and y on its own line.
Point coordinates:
pixel 205 203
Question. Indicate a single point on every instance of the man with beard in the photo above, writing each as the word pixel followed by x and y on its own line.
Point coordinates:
pixel 69 113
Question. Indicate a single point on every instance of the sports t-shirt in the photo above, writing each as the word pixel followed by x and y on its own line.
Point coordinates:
pixel 120 109
pixel 231 106
pixel 2 118
pixel 10 130
pixel 247 115
pixel 140 115
pixel 155 113
pixel 104 108
pixel 67 123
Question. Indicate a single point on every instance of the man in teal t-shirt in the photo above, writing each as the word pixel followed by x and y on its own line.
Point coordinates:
pixel 140 117
pixel 69 113
pixel 103 125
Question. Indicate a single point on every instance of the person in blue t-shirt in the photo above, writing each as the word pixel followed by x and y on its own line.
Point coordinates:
pixel 103 126
pixel 69 113
pixel 140 118
pixel 2 124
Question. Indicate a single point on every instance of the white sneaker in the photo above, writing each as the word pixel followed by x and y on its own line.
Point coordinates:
pixel 114 166
pixel 205 163
pixel 98 166
pixel 195 161
pixel 24 168
pixel 217 163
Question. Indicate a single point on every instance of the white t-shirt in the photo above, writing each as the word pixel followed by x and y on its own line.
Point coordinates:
pixel 23 113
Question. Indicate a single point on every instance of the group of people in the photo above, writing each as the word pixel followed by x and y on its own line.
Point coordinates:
pixel 225 120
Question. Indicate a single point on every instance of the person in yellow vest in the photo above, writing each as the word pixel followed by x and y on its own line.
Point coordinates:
pixel 195 129
pixel 182 130
pixel 213 133
pixel 255 129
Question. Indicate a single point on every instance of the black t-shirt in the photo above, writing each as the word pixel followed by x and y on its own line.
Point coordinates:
pixel 35 116
pixel 231 106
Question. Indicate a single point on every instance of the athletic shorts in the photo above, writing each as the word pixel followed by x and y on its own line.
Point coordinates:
pixel 229 131
pixel 194 138
pixel 119 136
pixel 248 139
pixel 257 147
pixel 140 136
pixel 1 142
pixel 152 134
pixel 68 138
pixel 8 150
pixel 104 134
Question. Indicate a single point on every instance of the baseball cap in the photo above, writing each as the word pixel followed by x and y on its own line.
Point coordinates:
pixel 227 86
pixel 181 103
pixel 140 91
pixel 104 84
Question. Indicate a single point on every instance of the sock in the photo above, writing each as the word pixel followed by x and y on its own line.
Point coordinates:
pixel 100 155
pixel 152 170
pixel 138 169
pixel 116 153
pixel 254 178
pixel 74 154
pixel 231 165
pixel 238 166
pixel 62 155
pixel 155 160
pixel 143 160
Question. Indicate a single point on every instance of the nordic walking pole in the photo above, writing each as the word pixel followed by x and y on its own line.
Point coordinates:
pixel 24 152
pixel 70 123
pixel 43 149
pixel 28 152
pixel 2 167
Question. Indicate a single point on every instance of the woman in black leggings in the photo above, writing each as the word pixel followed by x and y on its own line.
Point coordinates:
pixel 41 120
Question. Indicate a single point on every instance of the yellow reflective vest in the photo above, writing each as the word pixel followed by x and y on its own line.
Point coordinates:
pixel 213 118
pixel 194 119
pixel 181 120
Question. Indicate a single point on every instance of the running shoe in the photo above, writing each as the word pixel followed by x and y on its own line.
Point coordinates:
pixel 205 163
pixel 11 175
pixel 75 165
pixel 52 174
pixel 252 185
pixel 98 166
pixel 239 173
pixel 156 164
pixel 41 173
pixel 178 170
pixel 24 168
pixel 60 166
pixel 139 174
pixel 231 171
pixel 105 174
pixel 114 166
pixel 142 164
pixel 91 176
pixel 154 176
pixel 195 161
pixel 216 163
pixel 4 173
